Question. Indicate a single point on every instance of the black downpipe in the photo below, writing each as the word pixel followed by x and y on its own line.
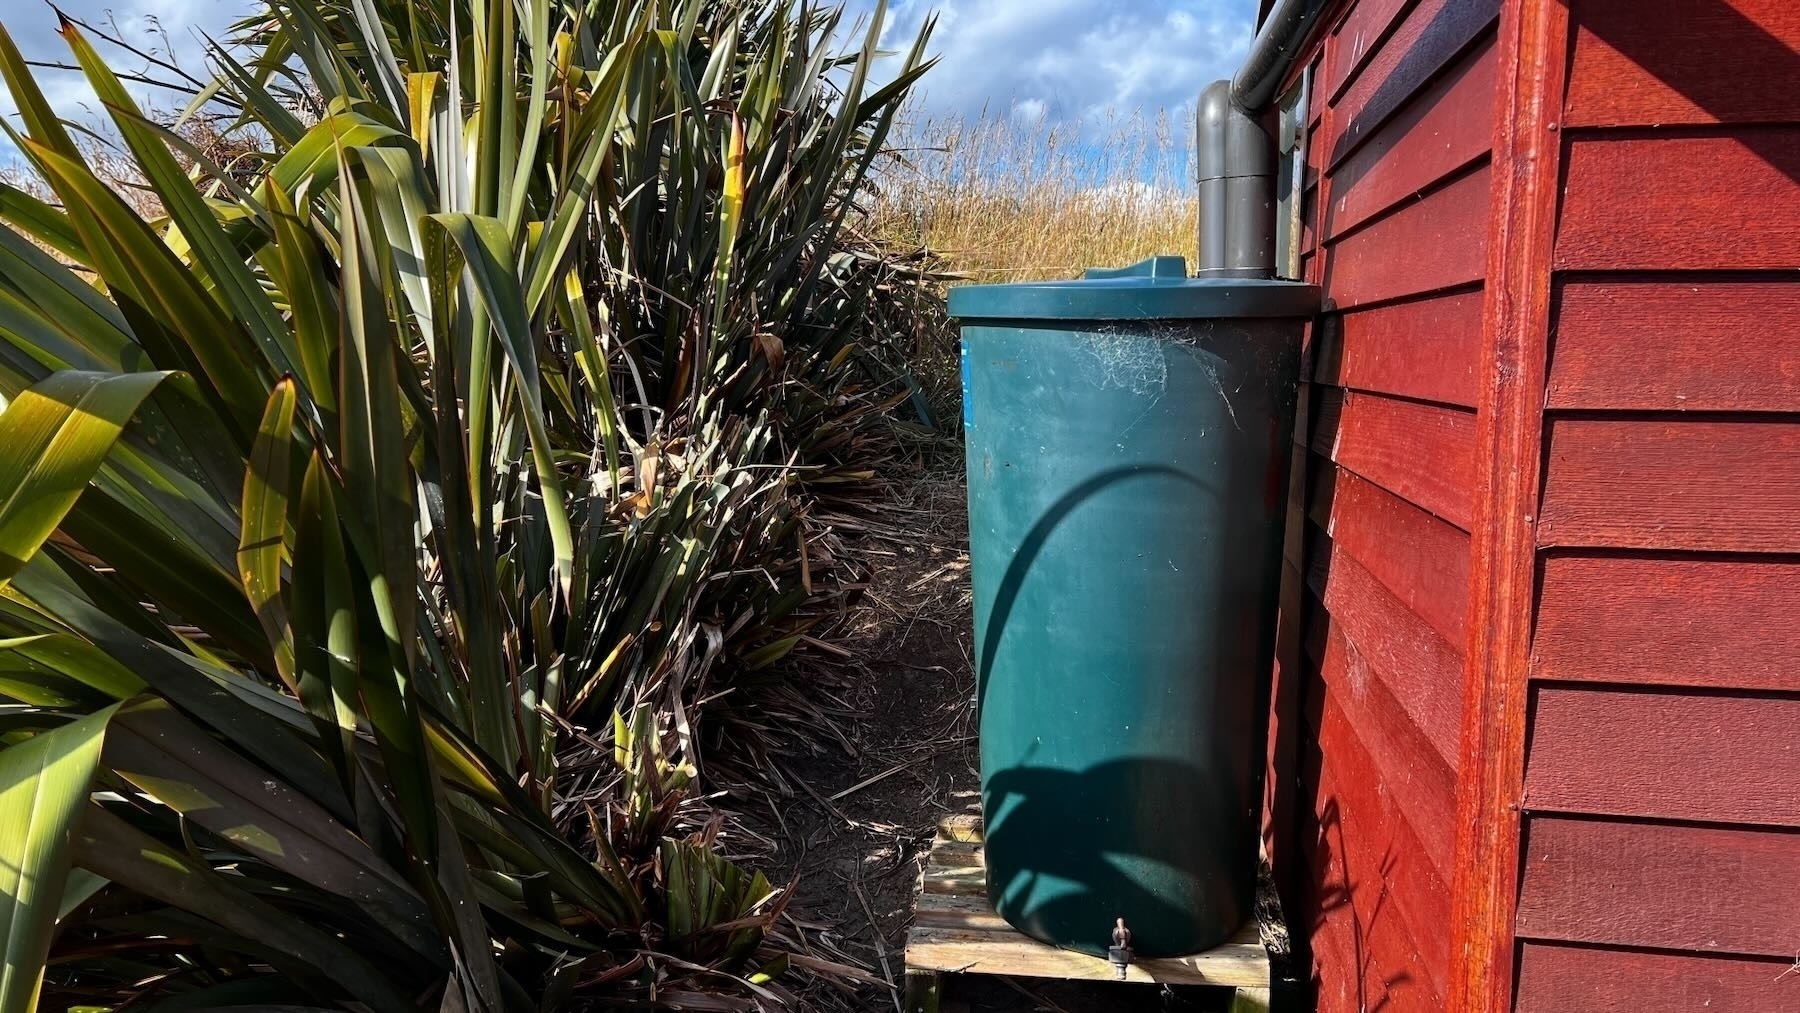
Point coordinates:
pixel 1235 156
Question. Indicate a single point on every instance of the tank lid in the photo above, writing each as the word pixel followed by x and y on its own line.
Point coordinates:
pixel 1154 289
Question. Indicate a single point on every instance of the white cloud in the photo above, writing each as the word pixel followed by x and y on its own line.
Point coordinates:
pixel 1073 59
pixel 1029 110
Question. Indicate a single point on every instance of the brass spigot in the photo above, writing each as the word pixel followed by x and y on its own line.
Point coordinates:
pixel 1120 952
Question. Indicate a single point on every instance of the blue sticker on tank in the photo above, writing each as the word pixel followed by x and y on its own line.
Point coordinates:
pixel 968 393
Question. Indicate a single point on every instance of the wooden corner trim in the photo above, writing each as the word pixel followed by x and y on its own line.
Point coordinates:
pixel 1533 45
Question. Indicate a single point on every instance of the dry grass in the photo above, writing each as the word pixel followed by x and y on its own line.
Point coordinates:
pixel 999 198
pixel 205 133
pixel 1006 199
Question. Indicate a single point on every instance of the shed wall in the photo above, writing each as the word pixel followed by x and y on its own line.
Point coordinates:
pixel 1553 456
pixel 1662 813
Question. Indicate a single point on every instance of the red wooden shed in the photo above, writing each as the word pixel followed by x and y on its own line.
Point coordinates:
pixel 1536 739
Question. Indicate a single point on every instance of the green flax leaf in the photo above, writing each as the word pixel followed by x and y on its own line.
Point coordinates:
pixel 262 546
pixel 53 438
pixel 487 258
pixel 43 783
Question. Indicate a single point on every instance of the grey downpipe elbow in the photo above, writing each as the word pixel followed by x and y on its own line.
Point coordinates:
pixel 1235 162
pixel 1235 158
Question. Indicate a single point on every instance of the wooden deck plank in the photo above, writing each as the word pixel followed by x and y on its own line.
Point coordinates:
pixel 1232 965
pixel 955 930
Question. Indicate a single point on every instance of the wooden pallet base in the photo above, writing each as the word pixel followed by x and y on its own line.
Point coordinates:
pixel 955 931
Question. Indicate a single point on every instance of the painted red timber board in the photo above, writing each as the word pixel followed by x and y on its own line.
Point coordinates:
pixel 1422 560
pixel 1730 486
pixel 1419 669
pixel 1350 973
pixel 1337 984
pixel 1420 452
pixel 1315 108
pixel 1361 835
pixel 1436 242
pixel 1682 203
pixel 1315 144
pixel 1703 889
pixel 1424 349
pixel 1434 33
pixel 1676 755
pixel 1667 62
pixel 1371 882
pixel 1442 130
pixel 1716 623
pixel 1564 979
pixel 1414 785
pixel 1357 38
pixel 1682 345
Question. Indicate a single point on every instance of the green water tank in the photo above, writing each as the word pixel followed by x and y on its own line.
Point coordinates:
pixel 1128 438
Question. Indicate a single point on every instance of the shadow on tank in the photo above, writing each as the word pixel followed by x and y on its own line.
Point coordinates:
pixel 1069 852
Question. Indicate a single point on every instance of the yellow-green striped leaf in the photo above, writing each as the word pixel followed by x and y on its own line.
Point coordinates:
pixel 43 784
pixel 262 545
pixel 72 658
pixel 53 438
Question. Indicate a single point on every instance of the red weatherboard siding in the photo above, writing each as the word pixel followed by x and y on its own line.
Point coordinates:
pixel 1361 723
pixel 1429 37
pixel 1380 949
pixel 1720 622
pixel 1658 885
pixel 1379 899
pixel 1674 62
pixel 1428 141
pixel 1547 656
pixel 1397 238
pixel 1450 222
pixel 1561 979
pixel 1673 754
pixel 1422 560
pixel 1663 818
pixel 1418 668
pixel 1721 200
pixel 1421 452
pixel 1673 343
pixel 1668 482
pixel 1425 350
pixel 1355 39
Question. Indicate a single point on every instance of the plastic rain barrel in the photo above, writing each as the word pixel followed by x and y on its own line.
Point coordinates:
pixel 1128 440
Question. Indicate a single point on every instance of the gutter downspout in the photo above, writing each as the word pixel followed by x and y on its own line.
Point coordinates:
pixel 1235 157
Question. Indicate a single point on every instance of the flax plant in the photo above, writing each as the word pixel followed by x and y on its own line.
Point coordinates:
pixel 335 491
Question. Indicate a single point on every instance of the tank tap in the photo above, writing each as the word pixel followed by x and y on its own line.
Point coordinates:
pixel 1120 952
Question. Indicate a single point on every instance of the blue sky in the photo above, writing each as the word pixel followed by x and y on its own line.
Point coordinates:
pixel 1062 59
pixel 32 25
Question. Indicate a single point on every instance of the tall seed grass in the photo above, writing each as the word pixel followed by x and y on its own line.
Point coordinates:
pixel 1000 198
pixel 1008 198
